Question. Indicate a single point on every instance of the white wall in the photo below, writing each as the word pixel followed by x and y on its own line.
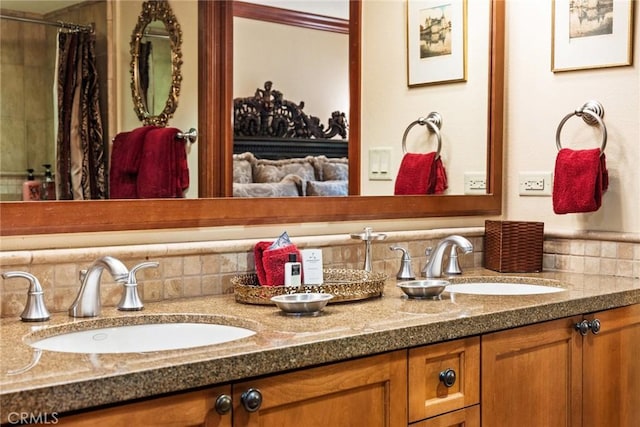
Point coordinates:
pixel 305 65
pixel 537 99
pixel 389 105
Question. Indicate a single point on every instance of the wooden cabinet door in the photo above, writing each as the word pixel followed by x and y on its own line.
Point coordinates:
pixel 611 369
pixel 428 394
pixel 531 376
pixel 467 417
pixel 370 392
pixel 192 409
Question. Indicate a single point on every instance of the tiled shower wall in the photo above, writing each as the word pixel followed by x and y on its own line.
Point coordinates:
pixel 27 58
pixel 197 269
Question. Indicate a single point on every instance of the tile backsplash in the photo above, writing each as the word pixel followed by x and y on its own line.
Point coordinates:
pixel 206 268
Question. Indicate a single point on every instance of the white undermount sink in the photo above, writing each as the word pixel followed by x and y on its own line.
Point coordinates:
pixel 502 288
pixel 141 338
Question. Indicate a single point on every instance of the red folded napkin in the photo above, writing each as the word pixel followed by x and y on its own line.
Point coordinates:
pixel 270 262
pixel 421 174
pixel 580 179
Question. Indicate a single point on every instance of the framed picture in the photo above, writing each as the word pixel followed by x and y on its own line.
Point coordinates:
pixel 591 34
pixel 436 41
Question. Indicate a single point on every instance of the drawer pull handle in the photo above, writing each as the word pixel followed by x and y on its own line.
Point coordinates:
pixel 595 326
pixel 251 399
pixel 223 404
pixel 448 377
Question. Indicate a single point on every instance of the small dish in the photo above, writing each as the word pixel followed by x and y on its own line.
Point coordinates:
pixel 423 289
pixel 307 304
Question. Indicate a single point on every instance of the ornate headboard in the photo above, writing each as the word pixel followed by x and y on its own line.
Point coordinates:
pixel 272 127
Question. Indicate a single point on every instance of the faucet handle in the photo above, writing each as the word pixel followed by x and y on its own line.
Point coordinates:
pixel 405 272
pixel 130 300
pixel 35 309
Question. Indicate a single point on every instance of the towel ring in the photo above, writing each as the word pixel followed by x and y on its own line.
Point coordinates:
pixel 592 113
pixel 433 122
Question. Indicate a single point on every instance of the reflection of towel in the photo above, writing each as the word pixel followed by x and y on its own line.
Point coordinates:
pixel 580 179
pixel 163 166
pixel 125 162
pixel 270 262
pixel 421 174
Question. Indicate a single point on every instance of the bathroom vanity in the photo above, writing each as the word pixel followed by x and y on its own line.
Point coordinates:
pixel 385 361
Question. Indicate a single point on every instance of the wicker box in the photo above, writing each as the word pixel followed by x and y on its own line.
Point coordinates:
pixel 513 246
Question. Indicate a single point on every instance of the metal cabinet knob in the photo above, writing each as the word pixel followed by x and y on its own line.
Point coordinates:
pixel 251 399
pixel 223 404
pixel 584 326
pixel 448 377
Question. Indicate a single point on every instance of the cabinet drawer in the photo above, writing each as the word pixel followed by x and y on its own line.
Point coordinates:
pixel 467 417
pixel 428 394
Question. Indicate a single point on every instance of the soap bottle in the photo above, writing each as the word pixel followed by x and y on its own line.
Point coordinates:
pixel 292 271
pixel 31 187
pixel 48 185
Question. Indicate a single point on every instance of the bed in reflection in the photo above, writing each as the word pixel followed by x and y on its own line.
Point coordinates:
pixel 280 151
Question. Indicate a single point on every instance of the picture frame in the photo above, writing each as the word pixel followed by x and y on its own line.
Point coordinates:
pixel 436 42
pixel 589 34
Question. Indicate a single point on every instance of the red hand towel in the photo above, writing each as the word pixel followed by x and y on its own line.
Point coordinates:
pixel 420 174
pixel 126 152
pixel 441 177
pixel 270 262
pixel 163 166
pixel 258 251
pixel 580 179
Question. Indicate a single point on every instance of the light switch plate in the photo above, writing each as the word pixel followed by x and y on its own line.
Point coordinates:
pixel 380 164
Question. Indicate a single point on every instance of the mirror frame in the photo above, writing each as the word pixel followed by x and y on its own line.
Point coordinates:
pixel 30 218
pixel 156 10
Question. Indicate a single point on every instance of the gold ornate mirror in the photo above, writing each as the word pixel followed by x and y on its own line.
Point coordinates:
pixel 156 58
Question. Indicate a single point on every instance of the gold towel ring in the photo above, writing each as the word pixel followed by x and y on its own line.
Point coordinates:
pixel 592 113
pixel 433 122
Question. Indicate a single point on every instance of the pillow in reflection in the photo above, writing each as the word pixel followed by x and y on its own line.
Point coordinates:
pixel 290 186
pixel 276 170
pixel 328 188
pixel 332 169
pixel 243 168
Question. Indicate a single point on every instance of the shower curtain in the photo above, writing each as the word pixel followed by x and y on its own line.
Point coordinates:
pixel 80 147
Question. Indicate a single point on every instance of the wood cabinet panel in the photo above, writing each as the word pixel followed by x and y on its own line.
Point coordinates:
pixel 611 364
pixel 364 392
pixel 428 396
pixel 467 417
pixel 194 409
pixel 531 376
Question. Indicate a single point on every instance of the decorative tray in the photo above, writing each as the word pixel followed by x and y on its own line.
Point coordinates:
pixel 343 284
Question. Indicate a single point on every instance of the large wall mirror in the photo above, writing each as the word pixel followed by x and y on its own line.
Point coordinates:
pixel 215 145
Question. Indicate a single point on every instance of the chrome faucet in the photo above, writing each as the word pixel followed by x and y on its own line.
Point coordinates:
pixel 87 303
pixel 434 263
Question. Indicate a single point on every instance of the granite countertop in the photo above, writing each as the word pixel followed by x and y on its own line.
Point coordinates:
pixel 60 382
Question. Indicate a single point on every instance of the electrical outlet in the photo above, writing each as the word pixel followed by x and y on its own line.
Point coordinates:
pixel 535 183
pixel 475 183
